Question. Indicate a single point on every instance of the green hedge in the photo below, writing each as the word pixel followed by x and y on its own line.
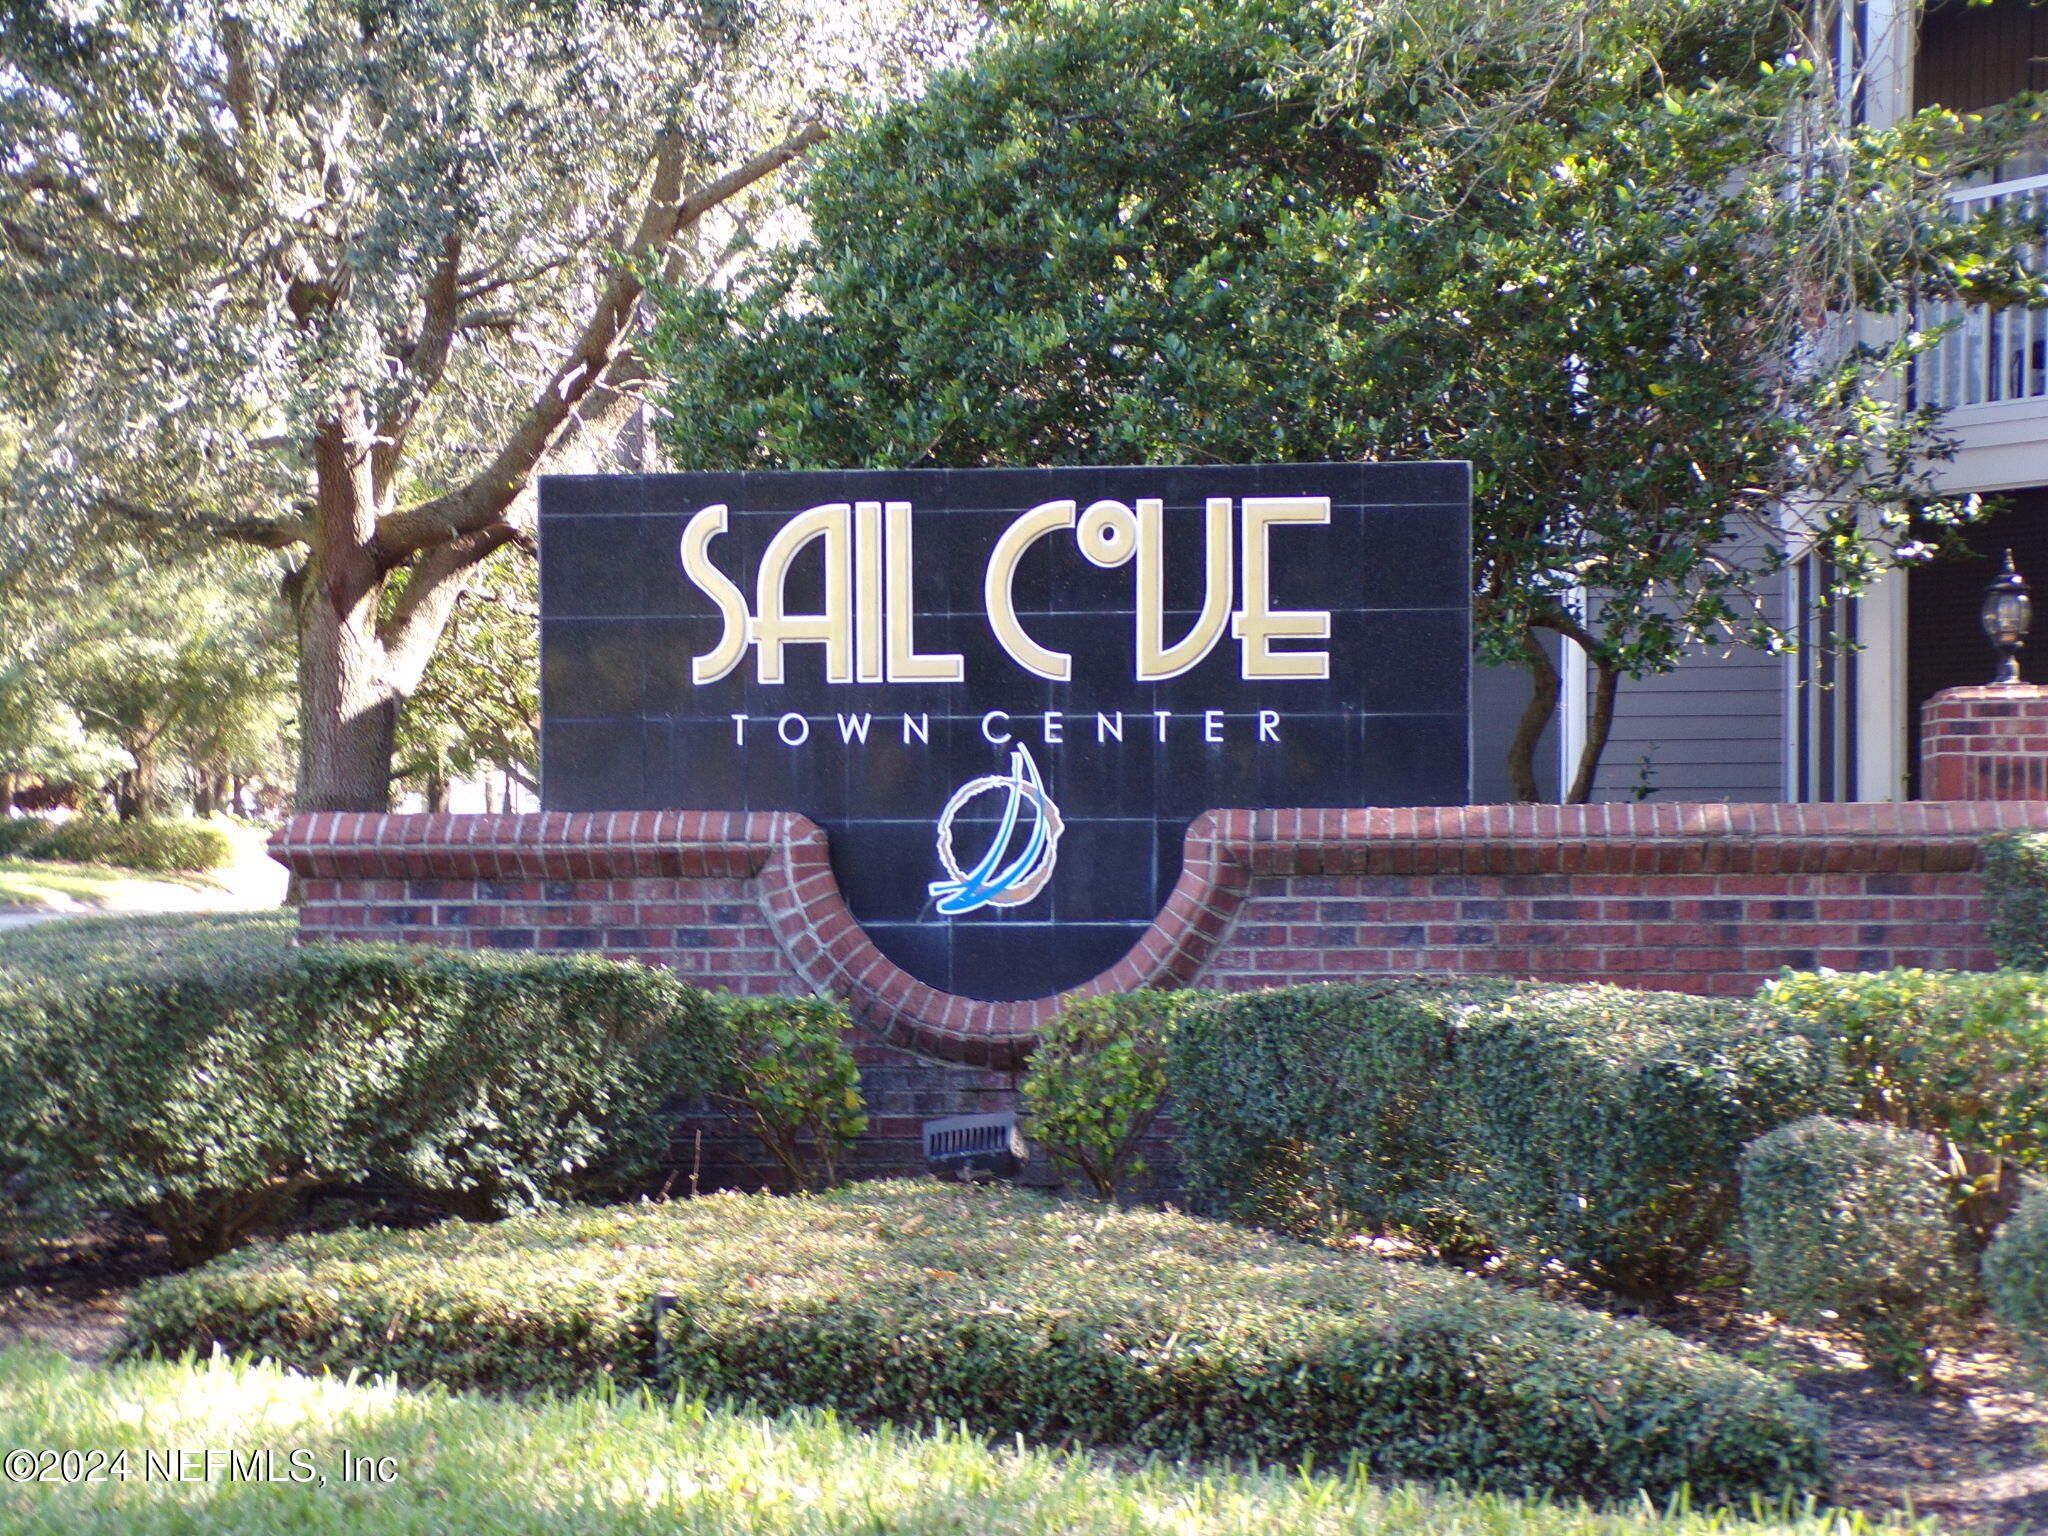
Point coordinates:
pixel 1856 1222
pixel 154 847
pixel 2016 1274
pixel 204 1086
pixel 2016 890
pixel 1586 1130
pixel 1016 1314
pixel 1958 1054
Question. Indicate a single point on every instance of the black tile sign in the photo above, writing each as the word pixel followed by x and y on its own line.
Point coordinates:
pixel 1005 693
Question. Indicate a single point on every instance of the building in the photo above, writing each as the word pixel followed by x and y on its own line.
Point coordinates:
pixel 1822 724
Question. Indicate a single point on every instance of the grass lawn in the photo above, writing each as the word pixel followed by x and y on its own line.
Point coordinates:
pixel 58 947
pixel 40 884
pixel 618 1465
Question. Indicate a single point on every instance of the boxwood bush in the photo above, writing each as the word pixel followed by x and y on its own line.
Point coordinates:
pixel 2016 1274
pixel 154 847
pixel 1016 1314
pixel 1856 1222
pixel 1586 1130
pixel 203 1086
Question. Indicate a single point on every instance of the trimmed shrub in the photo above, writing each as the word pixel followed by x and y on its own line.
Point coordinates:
pixel 18 832
pixel 202 1090
pixel 790 1078
pixel 1097 1079
pixel 1962 1055
pixel 1019 1315
pixel 1855 1223
pixel 2016 890
pixel 2016 1274
pixel 153 847
pixel 1583 1130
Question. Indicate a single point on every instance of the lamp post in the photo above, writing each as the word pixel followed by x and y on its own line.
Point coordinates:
pixel 2007 614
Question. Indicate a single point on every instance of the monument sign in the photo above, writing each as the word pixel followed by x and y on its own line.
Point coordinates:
pixel 1005 693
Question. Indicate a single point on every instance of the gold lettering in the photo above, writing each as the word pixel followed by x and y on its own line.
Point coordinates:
pixel 1157 660
pixel 905 665
pixel 1256 624
pixel 867 591
pixel 1001 602
pixel 732 603
pixel 773 628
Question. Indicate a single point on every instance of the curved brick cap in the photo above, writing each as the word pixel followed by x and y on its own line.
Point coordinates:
pixel 786 856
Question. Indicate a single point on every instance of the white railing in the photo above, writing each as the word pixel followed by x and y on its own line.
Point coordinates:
pixel 1994 355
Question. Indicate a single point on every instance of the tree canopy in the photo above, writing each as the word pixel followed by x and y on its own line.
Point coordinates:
pixel 342 277
pixel 1623 256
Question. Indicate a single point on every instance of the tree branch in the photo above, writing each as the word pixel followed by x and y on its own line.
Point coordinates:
pixel 264 532
pixel 425 360
pixel 423 609
pixel 669 211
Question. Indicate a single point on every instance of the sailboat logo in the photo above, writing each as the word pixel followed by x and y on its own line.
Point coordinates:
pixel 1001 877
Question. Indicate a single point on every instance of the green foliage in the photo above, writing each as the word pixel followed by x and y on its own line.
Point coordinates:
pixel 1597 249
pixel 205 1087
pixel 617 1464
pixel 2016 1274
pixel 1855 1222
pixel 789 1076
pixel 1014 1314
pixel 342 280
pixel 2016 890
pixel 1962 1055
pixel 477 708
pixel 149 673
pixel 157 847
pixel 1097 1079
pixel 1585 1130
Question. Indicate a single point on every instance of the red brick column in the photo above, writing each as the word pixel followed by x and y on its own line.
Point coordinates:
pixel 1987 743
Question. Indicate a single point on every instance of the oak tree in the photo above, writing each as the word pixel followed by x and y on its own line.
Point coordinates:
pixel 342 278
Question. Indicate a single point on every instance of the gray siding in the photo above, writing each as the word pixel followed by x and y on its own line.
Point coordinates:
pixel 1712 730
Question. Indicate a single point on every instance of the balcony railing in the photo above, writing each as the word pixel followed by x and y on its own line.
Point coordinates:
pixel 1994 355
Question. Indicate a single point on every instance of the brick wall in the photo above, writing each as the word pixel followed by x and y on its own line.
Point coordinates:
pixel 1703 898
pixel 1985 743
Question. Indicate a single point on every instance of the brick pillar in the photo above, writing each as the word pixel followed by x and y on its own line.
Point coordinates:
pixel 1985 743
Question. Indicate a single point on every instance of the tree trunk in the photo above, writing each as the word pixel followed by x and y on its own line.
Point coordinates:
pixel 437 792
pixel 1544 687
pixel 348 714
pixel 1599 726
pixel 6 793
pixel 237 800
pixel 202 796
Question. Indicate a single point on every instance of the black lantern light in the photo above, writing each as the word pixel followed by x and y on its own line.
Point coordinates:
pixel 2007 615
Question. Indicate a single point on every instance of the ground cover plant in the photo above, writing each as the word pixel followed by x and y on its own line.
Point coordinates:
pixel 1584 1131
pixel 624 1464
pixel 205 1078
pixel 1017 1314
